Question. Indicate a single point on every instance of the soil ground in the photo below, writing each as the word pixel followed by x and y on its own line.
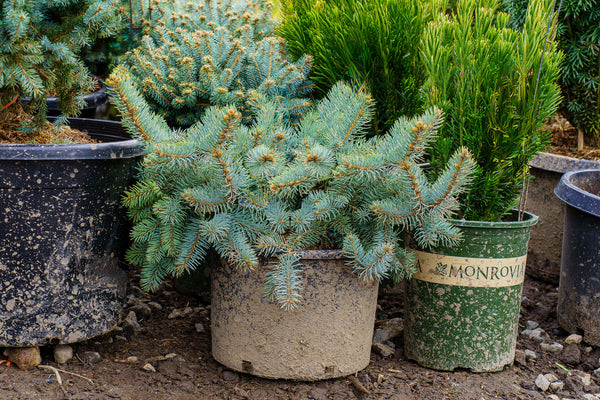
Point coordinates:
pixel 179 351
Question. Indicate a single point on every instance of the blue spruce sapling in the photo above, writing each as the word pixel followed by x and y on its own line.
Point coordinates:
pixel 269 188
pixel 213 53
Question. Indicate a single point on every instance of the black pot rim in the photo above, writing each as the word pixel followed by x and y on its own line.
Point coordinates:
pixel 574 196
pixel 117 147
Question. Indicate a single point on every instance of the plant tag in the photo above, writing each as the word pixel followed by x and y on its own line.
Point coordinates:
pixel 472 272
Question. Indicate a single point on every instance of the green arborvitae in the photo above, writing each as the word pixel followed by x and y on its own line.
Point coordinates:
pixel 578 36
pixel 39 42
pixel 269 188
pixel 374 43
pixel 496 86
pixel 213 53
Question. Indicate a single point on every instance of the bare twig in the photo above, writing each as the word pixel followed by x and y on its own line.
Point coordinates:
pixel 57 370
pixel 359 386
pixel 58 378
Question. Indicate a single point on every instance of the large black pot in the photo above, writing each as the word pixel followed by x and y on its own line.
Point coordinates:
pixel 579 290
pixel 60 213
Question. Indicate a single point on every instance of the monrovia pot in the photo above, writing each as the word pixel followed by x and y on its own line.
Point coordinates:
pixel 462 304
pixel 545 244
pixel 59 271
pixel 328 335
pixel 579 290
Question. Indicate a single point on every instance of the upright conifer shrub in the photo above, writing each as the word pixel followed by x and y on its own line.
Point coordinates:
pixel 39 43
pixel 269 187
pixel 213 53
pixel 496 86
pixel 374 43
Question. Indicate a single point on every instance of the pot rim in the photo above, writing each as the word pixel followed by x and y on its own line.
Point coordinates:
pixel 576 197
pixel 321 254
pixel 116 147
pixel 530 220
pixel 561 164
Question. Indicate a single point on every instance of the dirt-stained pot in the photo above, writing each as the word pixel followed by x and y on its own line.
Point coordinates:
pixel 59 272
pixel 545 244
pixel 462 304
pixel 328 335
pixel 579 290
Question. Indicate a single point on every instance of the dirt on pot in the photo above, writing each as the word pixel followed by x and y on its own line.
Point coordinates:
pixel 161 350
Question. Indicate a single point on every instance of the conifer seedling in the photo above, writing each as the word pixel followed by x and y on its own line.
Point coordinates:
pixel 204 53
pixel 270 187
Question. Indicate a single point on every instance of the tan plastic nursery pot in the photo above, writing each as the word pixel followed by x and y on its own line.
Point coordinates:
pixel 328 335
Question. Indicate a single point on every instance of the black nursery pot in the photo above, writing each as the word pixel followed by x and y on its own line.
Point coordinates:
pixel 579 289
pixel 60 278
pixel 93 102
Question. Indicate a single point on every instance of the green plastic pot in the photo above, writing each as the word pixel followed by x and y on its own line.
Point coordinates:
pixel 462 304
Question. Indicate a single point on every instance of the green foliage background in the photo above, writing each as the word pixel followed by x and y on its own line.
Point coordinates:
pixel 578 36
pixel 371 43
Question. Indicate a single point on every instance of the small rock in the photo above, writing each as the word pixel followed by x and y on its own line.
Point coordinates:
pixel 121 338
pixel 536 334
pixel 530 355
pixel 589 396
pixel 230 376
pixel 187 311
pixel 531 325
pixel 132 359
pixel 24 358
pixel 542 383
pixel 62 353
pixel 588 349
pixel 383 349
pixel 241 392
pixel 113 393
pixel 571 354
pixel 573 383
pixel 170 356
pixel 90 357
pixel 553 397
pixel 388 330
pixel 551 377
pixel 551 348
pixel 199 327
pixel 149 368
pixel 526 302
pixel 520 357
pixel 573 339
pixel 596 373
pixel 175 314
pixel 130 323
pixel 557 385
pixel 142 310
pixel 586 379
pixel 155 305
